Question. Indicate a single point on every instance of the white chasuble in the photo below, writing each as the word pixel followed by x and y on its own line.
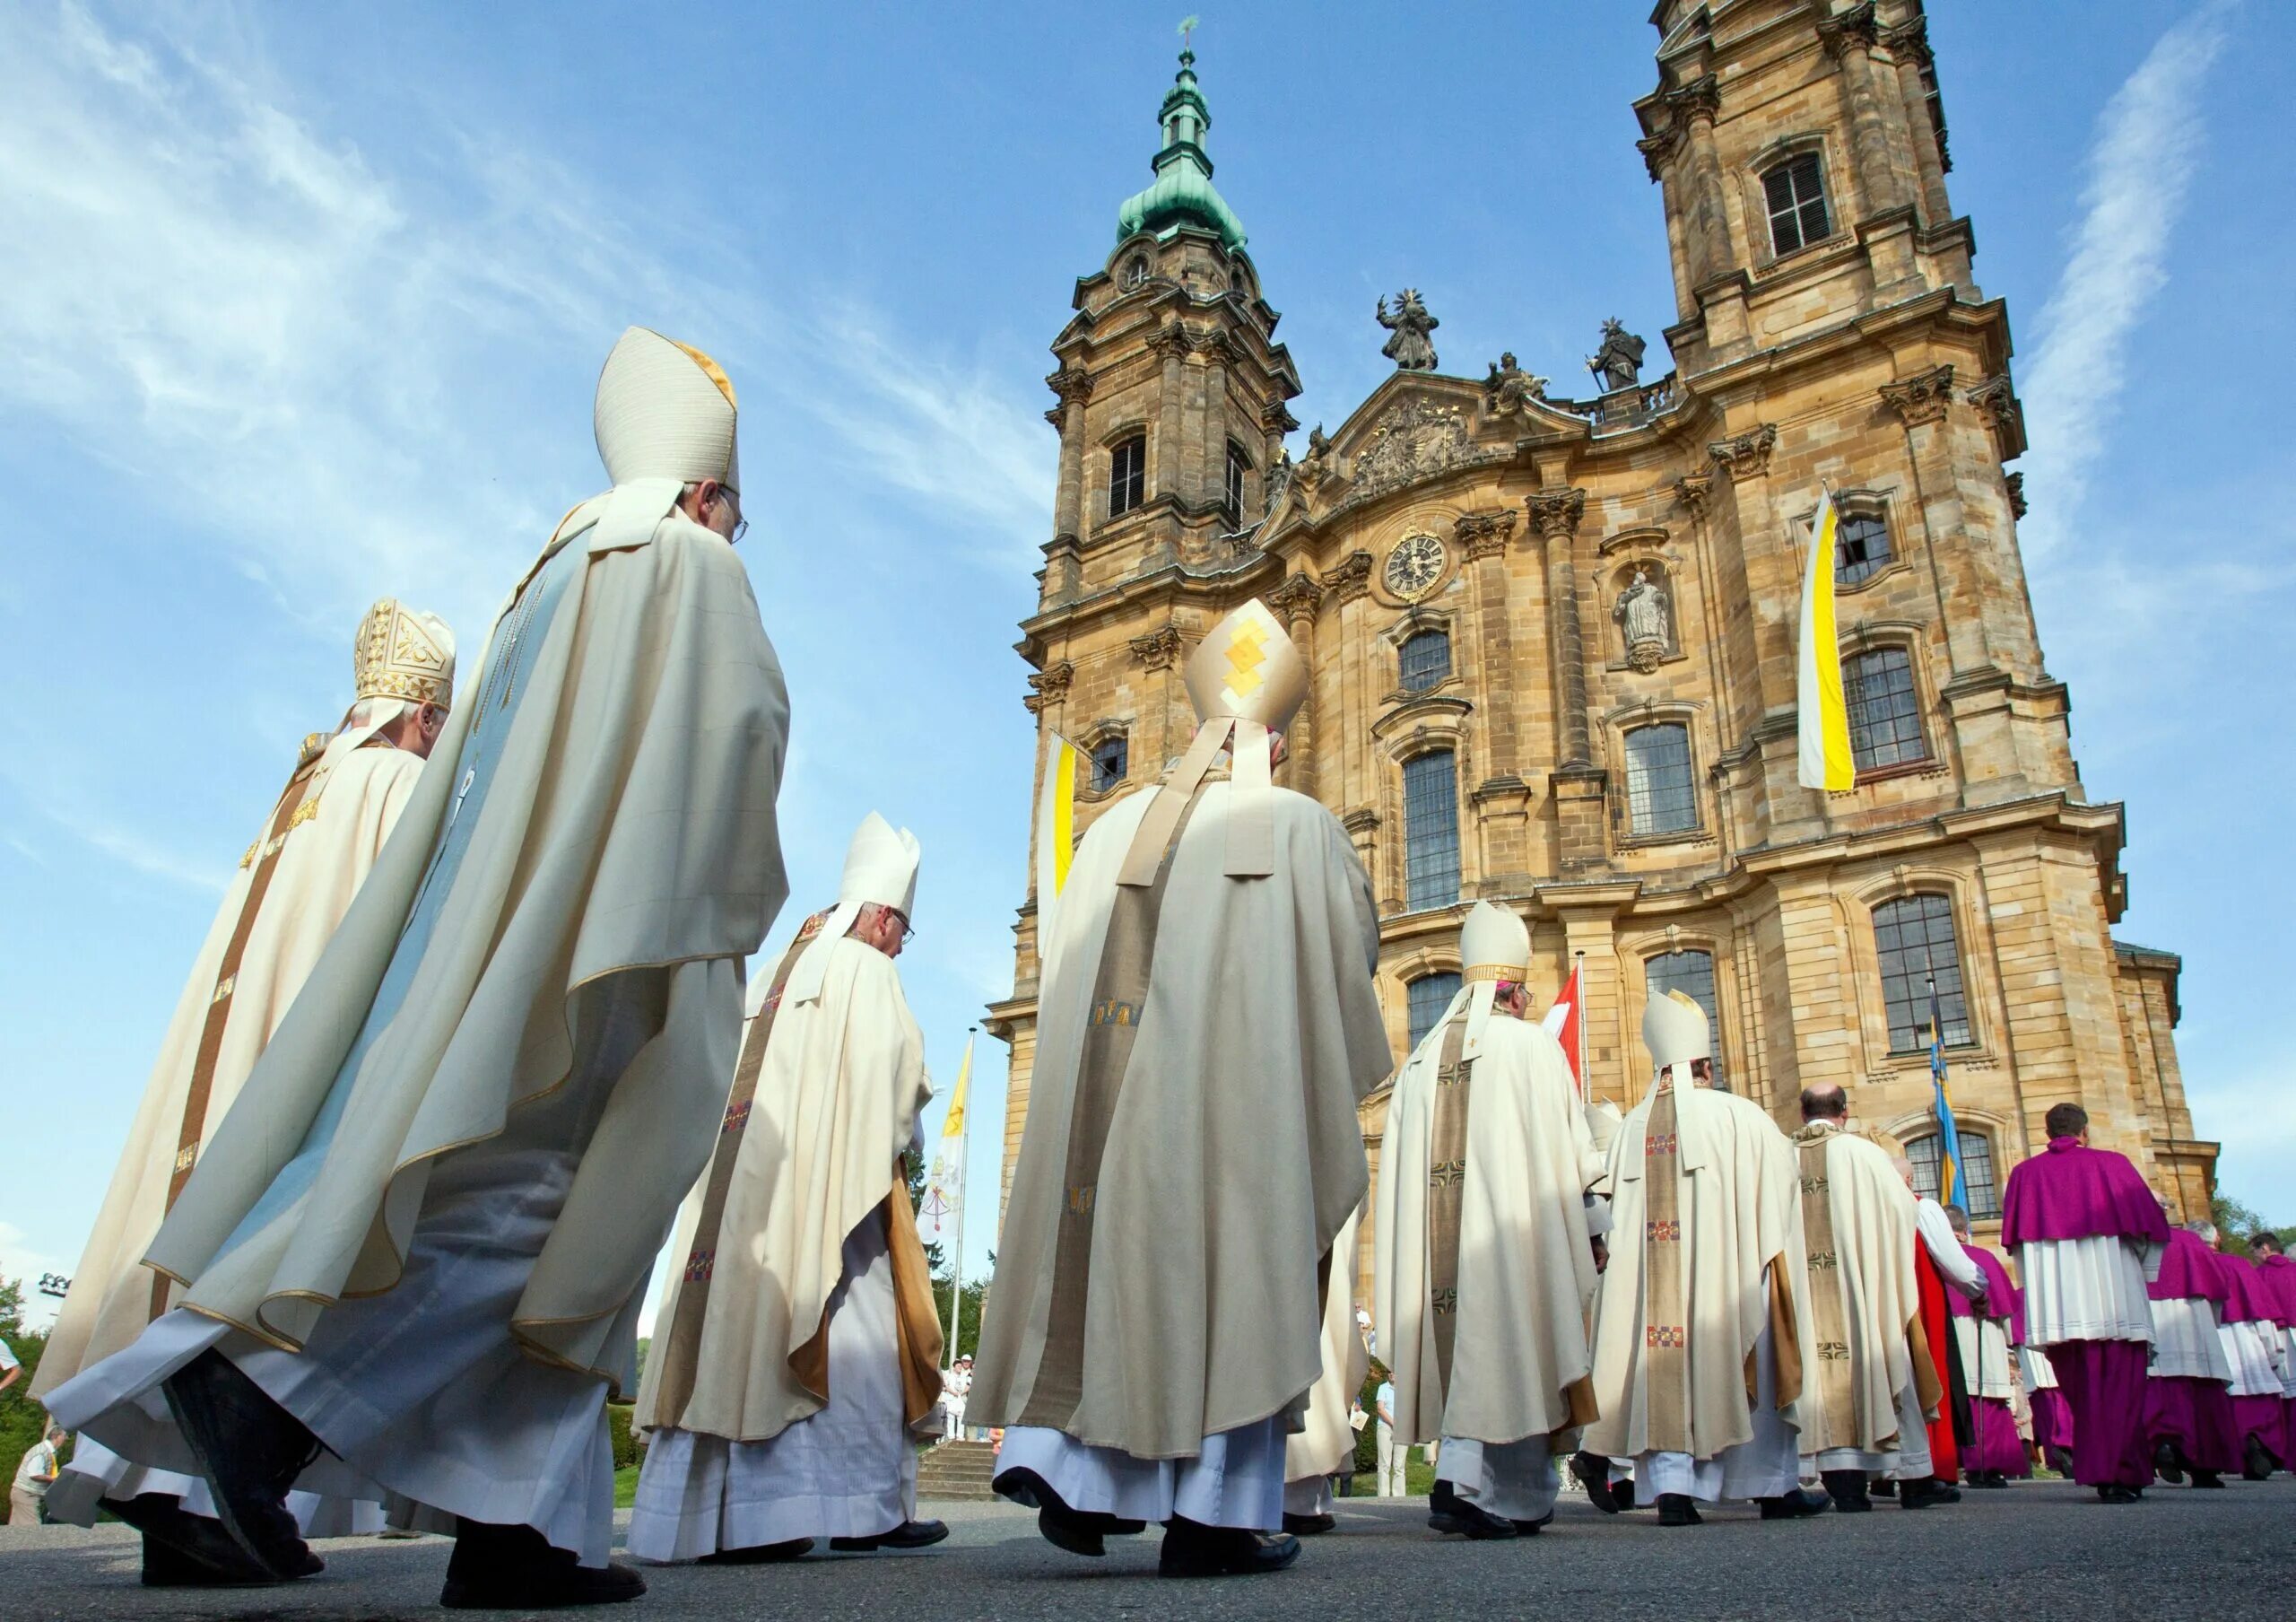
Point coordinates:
pixel 1706 1203
pixel 1325 1441
pixel 1483 1271
pixel 1192 1149
pixel 1865 1301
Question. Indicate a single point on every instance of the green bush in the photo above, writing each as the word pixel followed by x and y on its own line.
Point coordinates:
pixel 21 1420
pixel 625 1439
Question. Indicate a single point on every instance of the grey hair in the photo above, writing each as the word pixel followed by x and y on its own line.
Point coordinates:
pixel 2207 1230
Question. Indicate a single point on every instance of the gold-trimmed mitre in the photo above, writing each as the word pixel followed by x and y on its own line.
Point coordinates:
pixel 664 410
pixel 1674 1029
pixel 1495 945
pixel 1247 668
pixel 402 652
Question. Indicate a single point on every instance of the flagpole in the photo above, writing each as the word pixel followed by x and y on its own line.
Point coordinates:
pixel 957 1262
pixel 1578 973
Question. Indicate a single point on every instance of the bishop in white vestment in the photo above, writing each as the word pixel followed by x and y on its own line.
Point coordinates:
pixel 412 1255
pixel 1324 1444
pixel 1207 1024
pixel 1701 1324
pixel 292 886
pixel 798 1343
pixel 1483 1262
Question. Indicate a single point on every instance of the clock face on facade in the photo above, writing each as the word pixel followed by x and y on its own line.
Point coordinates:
pixel 1414 566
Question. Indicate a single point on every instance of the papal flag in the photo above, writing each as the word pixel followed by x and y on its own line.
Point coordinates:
pixel 939 1214
pixel 1823 717
pixel 1563 1023
pixel 1055 830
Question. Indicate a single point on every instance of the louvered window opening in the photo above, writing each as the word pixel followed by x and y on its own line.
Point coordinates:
pixel 1127 475
pixel 1798 203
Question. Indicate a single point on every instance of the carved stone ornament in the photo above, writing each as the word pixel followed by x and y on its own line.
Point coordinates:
pixel 1352 578
pixel 1159 648
pixel 1557 512
pixel 1701 97
pixel 1645 616
pixel 1276 417
pixel 2016 483
pixel 1997 402
pixel 1617 364
pixel 1408 345
pixel 1694 490
pixel 1486 534
pixel 1922 397
pixel 1072 384
pixel 1910 42
pixel 1509 388
pixel 1049 684
pixel 1416 440
pixel 1297 599
pixel 1659 149
pixel 1170 341
pixel 1747 455
pixel 1855 27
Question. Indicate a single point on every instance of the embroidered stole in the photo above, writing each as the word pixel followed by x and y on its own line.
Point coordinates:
pixel 1665 1283
pixel 1838 1375
pixel 297 802
pixel 1111 1025
pixel 1446 1178
pixel 681 1347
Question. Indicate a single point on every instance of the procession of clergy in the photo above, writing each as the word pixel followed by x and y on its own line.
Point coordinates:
pixel 453 1062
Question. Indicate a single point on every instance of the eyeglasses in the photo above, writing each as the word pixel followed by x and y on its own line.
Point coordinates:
pixel 908 932
pixel 741 528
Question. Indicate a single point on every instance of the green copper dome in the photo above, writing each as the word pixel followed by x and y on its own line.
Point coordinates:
pixel 1183 194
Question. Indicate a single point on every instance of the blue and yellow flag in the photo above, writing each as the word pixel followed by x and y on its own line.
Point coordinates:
pixel 1948 1141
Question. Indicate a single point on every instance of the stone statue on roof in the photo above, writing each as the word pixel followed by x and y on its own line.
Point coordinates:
pixel 1618 363
pixel 1409 348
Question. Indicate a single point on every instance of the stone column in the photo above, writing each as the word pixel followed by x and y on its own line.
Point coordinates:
pixel 1849 37
pixel 1555 514
pixel 1695 105
pixel 1171 345
pixel 1074 387
pixel 1297 600
pixel 1589 917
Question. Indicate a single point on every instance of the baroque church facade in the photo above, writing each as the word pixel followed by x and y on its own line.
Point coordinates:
pixel 1552 642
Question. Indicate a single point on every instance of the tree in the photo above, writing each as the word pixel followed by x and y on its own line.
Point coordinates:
pixel 23 1420
pixel 2236 1224
pixel 969 1327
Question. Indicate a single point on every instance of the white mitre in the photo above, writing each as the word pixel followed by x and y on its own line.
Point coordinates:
pixel 1675 1032
pixel 1245 680
pixel 665 417
pixel 881 867
pixel 1495 945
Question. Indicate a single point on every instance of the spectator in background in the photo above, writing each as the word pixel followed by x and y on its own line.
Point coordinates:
pixel 1392 1458
pixel 11 1370
pixel 34 1476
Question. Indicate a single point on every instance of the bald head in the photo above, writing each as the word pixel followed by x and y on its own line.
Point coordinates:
pixel 1825 1101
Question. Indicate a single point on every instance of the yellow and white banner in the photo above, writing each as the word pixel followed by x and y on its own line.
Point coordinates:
pixel 940 1214
pixel 1823 717
pixel 1055 830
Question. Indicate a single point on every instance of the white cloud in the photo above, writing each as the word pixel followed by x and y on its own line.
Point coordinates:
pixel 2140 166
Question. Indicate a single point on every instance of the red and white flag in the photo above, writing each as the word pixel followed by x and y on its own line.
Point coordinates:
pixel 1562 1023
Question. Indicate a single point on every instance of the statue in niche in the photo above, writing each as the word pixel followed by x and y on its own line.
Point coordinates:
pixel 1279 485
pixel 1618 363
pixel 1645 616
pixel 1508 388
pixel 1409 348
pixel 1316 466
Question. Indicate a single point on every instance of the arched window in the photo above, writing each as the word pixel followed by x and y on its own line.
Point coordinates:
pixel 1127 474
pixel 1239 464
pixel 1430 995
pixel 1884 708
pixel 1692 972
pixel 1135 273
pixel 1914 944
pixel 1980 1195
pixel 1795 192
pixel 1660 797
pixel 1112 756
pixel 1861 548
pixel 1430 830
pixel 1424 661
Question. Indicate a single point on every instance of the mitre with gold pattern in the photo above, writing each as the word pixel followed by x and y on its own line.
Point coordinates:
pixel 1495 947
pixel 1246 667
pixel 404 653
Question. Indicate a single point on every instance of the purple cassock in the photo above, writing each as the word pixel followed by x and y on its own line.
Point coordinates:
pixel 2279 1274
pixel 2070 1193
pixel 1994 1445
pixel 2251 1299
pixel 2185 1407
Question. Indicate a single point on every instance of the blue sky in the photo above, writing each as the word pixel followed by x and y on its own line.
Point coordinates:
pixel 300 305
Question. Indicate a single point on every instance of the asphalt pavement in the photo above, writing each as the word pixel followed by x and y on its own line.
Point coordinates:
pixel 2038 1551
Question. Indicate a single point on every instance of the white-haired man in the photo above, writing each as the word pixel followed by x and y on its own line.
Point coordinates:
pixel 799 1341
pixel 1484 1260
pixel 416 1247
pixel 1208 1023
pixel 316 847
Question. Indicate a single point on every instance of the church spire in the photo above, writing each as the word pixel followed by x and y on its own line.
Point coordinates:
pixel 1183 193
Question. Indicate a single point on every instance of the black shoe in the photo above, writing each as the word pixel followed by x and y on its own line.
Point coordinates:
pixel 1309 1526
pixel 2256 1462
pixel 1884 1489
pixel 760 1554
pixel 1998 1478
pixel 2168 1463
pixel 2113 1493
pixel 908 1534
pixel 1794 1505
pixel 1078 1531
pixel 1846 1488
pixel 1454 1516
pixel 251 1450
pixel 1593 1473
pixel 1927 1495
pixel 514 1568
pixel 2202 1478
pixel 1193 1549
pixel 1529 1528
pixel 184 1550
pixel 1677 1509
